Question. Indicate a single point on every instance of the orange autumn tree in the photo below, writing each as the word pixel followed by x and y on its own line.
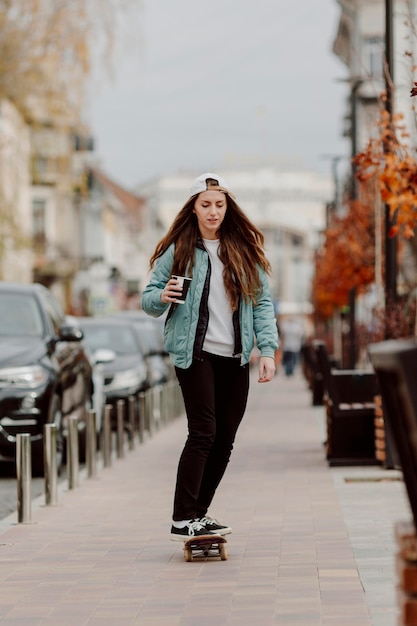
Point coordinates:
pixel 388 159
pixel 387 174
pixel 346 259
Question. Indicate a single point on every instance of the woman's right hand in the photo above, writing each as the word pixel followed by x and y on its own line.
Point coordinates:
pixel 171 291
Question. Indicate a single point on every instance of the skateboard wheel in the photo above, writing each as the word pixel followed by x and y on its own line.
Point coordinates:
pixel 188 555
pixel 223 552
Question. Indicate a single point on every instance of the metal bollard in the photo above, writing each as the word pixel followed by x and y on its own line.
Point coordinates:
pixel 24 477
pixel 91 444
pixel 73 464
pixel 132 422
pixel 180 400
pixel 167 414
pixel 120 428
pixel 169 401
pixel 173 399
pixel 142 411
pixel 50 464
pixel 156 407
pixel 164 419
pixel 150 427
pixel 106 443
pixel 162 402
pixel 173 393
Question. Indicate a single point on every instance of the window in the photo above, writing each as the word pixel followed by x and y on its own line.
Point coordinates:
pixel 38 224
pixel 121 339
pixel 374 56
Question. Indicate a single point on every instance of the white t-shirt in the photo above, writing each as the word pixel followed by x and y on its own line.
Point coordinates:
pixel 220 336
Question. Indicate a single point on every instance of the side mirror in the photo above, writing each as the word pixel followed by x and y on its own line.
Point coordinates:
pixel 70 333
pixel 104 356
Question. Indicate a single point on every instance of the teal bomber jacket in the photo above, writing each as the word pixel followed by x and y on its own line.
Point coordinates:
pixel 182 322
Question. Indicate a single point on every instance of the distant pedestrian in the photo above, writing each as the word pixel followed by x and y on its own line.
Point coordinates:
pixel 292 335
pixel 210 336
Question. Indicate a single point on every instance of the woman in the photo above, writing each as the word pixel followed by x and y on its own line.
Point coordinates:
pixel 210 336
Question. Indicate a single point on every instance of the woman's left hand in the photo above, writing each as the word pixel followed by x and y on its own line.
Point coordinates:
pixel 266 369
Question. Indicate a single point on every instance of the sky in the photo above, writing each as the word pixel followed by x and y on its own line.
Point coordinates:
pixel 200 86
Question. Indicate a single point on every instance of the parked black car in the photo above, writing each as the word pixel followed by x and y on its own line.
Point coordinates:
pixel 150 333
pixel 97 360
pixel 126 374
pixel 45 374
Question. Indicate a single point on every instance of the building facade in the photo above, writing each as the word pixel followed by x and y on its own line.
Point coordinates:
pixel 111 256
pixel 360 44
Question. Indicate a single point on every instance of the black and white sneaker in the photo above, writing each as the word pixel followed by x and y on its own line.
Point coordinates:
pixel 214 527
pixel 193 529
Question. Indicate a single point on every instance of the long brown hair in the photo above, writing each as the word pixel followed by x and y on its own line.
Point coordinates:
pixel 241 249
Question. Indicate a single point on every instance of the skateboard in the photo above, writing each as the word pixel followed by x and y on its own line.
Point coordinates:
pixel 205 547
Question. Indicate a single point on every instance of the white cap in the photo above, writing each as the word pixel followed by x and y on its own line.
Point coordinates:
pixel 200 184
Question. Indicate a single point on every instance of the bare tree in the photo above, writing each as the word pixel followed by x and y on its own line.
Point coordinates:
pixel 47 52
pixel 47 48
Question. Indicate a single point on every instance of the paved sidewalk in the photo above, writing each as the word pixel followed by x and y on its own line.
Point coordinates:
pixel 311 546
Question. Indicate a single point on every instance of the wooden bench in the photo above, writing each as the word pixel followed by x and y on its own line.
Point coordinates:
pixel 350 409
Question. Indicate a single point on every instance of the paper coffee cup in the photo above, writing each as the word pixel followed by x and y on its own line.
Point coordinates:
pixel 184 283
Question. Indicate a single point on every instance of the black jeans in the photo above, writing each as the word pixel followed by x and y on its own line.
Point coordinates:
pixel 289 361
pixel 215 392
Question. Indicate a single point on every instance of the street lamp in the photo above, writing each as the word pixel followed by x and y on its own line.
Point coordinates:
pixel 355 83
pixel 354 86
pixel 335 159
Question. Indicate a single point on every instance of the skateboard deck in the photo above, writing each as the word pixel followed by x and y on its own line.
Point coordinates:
pixel 205 547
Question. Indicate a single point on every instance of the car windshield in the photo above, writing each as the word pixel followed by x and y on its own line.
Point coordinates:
pixel 120 339
pixel 20 315
pixel 148 338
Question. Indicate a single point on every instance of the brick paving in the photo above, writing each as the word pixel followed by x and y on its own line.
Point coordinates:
pixel 311 546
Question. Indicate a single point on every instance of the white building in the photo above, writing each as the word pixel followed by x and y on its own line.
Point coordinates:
pixel 360 44
pixel 111 260
pixel 287 205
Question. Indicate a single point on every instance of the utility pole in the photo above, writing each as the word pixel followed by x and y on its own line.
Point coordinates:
pixel 335 159
pixel 354 87
pixel 355 83
pixel 390 242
